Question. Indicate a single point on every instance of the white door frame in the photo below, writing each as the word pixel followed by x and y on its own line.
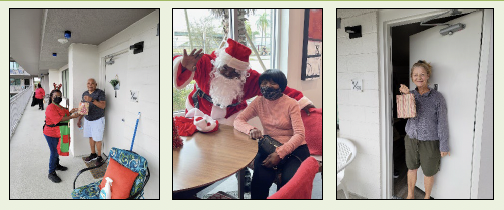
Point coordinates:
pixel 387 19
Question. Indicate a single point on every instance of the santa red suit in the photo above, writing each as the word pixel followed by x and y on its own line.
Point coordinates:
pixel 236 56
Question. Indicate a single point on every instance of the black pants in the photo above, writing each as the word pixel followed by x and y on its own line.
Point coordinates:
pixel 41 103
pixel 263 177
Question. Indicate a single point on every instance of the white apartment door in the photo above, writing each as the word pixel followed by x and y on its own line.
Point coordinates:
pixel 455 65
pixel 115 110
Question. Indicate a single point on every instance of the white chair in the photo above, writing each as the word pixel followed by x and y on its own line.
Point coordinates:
pixel 346 153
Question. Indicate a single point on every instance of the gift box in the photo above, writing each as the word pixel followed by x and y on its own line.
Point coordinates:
pixel 83 108
pixel 406 107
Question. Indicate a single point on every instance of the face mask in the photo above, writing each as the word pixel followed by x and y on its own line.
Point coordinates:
pixel 57 100
pixel 271 93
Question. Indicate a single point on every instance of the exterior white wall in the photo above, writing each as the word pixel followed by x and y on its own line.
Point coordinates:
pixel 486 184
pixel 53 78
pixel 359 111
pixel 142 74
pixel 45 83
pixel 82 65
pixel 486 175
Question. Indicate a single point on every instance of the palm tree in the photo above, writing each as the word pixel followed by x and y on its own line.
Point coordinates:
pixel 262 24
pixel 224 14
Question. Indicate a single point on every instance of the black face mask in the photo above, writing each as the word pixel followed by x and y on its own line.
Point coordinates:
pixel 271 93
pixel 57 100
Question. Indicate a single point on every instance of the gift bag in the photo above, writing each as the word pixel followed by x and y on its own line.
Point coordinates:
pixel 406 107
pixel 64 141
pixel 83 108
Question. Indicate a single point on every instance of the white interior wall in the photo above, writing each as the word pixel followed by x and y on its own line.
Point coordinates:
pixel 291 26
pixel 142 74
pixel 82 65
pixel 312 88
pixel 359 111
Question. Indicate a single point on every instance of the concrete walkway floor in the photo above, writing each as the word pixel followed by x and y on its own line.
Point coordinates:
pixel 29 163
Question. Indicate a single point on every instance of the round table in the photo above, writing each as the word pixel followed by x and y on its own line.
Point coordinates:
pixel 209 157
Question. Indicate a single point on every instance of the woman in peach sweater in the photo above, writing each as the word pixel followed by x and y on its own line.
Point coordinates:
pixel 281 119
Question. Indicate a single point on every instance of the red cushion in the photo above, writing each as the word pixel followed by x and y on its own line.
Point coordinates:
pixel 300 186
pixel 313 130
pixel 122 180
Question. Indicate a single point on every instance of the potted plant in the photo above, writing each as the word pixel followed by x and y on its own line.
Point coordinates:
pixel 115 84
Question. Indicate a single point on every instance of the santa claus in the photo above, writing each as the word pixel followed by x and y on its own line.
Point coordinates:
pixel 224 81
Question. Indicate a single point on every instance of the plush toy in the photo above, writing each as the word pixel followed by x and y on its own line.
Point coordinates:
pixel 177 141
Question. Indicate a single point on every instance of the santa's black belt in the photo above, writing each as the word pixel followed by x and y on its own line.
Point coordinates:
pixel 203 95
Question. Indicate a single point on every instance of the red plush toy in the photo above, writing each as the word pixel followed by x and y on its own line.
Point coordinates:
pixel 313 130
pixel 177 141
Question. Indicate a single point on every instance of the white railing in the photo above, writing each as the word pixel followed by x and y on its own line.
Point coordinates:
pixel 18 88
pixel 17 106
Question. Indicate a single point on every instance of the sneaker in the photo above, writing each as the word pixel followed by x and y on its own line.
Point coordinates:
pixel 91 157
pixel 61 168
pixel 99 160
pixel 54 177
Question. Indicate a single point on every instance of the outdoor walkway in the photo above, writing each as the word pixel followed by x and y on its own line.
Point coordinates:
pixel 29 163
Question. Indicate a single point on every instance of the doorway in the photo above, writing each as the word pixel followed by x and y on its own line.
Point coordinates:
pixel 455 60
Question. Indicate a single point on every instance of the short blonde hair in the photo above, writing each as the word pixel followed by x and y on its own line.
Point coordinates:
pixel 424 65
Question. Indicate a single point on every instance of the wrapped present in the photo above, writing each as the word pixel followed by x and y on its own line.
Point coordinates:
pixel 83 108
pixel 406 107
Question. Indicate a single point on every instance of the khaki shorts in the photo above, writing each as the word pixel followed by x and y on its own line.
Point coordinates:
pixel 422 153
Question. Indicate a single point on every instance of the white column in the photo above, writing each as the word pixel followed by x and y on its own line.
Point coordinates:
pixel 82 64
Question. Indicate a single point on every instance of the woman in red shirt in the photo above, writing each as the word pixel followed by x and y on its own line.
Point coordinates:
pixel 39 95
pixel 54 115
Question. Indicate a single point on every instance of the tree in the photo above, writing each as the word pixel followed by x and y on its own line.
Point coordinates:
pixel 205 35
pixel 262 24
pixel 240 22
pixel 249 30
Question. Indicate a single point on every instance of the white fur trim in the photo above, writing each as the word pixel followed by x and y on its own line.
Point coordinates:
pixel 218 113
pixel 233 62
pixel 304 102
pixel 188 105
pixel 201 124
pixel 317 157
pixel 176 64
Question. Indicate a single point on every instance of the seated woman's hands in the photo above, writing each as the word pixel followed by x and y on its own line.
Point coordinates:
pixel 255 134
pixel 272 160
pixel 73 110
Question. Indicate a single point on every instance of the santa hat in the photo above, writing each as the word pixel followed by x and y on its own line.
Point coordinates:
pixel 236 55
pixel 203 122
pixel 185 126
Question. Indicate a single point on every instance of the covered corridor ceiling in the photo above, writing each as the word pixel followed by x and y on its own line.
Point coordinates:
pixel 34 33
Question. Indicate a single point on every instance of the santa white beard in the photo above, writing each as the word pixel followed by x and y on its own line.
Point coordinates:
pixel 223 90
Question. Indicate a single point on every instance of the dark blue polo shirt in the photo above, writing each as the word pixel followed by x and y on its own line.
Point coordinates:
pixel 94 111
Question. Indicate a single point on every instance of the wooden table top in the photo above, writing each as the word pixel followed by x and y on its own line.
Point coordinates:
pixel 209 157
